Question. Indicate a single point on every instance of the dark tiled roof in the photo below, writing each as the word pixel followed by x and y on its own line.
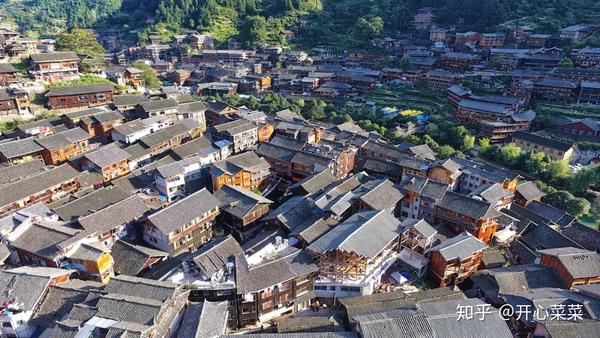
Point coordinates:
pixel 213 256
pixel 459 247
pixel 20 171
pixel 245 161
pixel 167 133
pixel 290 263
pixel 80 90
pixel 18 148
pixel 365 233
pixel 494 282
pixel 529 191
pixel 130 258
pixel 208 319
pixel 467 206
pixel 54 57
pixel 543 141
pixel 128 100
pixel 107 155
pixel 63 139
pixel 140 287
pixel 238 201
pixel 45 240
pixel 317 182
pixel 35 184
pixel 183 211
pixel 156 105
pixel 193 147
pixel 579 263
pixel 115 215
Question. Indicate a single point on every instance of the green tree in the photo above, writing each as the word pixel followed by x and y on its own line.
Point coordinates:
pixel 578 206
pixel 445 151
pixel 81 41
pixel 254 31
pixel 368 27
pixel 405 62
pixel 566 62
pixel 468 142
pixel 484 143
pixel 510 154
pixel 535 163
pixel 149 75
pixel 558 169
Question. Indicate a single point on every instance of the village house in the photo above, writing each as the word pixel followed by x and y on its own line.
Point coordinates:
pixel 110 161
pixel 555 90
pixel 54 67
pixel 60 147
pixel 575 32
pixel 127 104
pixel 589 93
pixel 491 40
pixel 134 259
pixel 420 197
pixel 8 74
pixel 95 121
pixel 44 243
pixel 114 221
pixel 80 96
pixel 538 40
pixel 176 179
pixel 462 213
pixel 440 80
pixel 574 266
pixel 88 204
pixel 526 193
pixel 417 237
pixel 28 285
pixel 183 226
pixel 458 62
pixel 246 170
pixel 348 264
pixel 586 126
pixel 126 76
pixel 46 186
pixel 275 280
pixel 13 101
pixel 166 107
pixel 455 259
pixel 20 151
pixel 241 209
pixel 556 150
pixel 586 57
pixel 242 133
pixel 92 261
pixel 172 136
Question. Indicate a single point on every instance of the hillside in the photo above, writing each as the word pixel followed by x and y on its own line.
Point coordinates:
pixel 317 22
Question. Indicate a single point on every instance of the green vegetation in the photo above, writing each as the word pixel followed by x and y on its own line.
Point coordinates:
pixel 149 75
pixel 84 79
pixel 81 41
pixel 12 125
pixel 50 17
pixel 336 24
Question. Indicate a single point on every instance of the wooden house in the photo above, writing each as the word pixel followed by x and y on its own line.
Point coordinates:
pixel 62 146
pixel 246 170
pixel 109 161
pixel 54 67
pixel 183 226
pixel 353 256
pixel 464 213
pixel 80 96
pixel 240 208
pixel 574 266
pixel 455 259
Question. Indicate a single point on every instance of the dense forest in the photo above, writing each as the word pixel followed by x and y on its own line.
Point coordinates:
pixel 316 22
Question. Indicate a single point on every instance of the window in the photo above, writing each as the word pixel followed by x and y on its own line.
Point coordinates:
pixel 320 288
pixel 246 310
pixel 350 289
pixel 332 288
